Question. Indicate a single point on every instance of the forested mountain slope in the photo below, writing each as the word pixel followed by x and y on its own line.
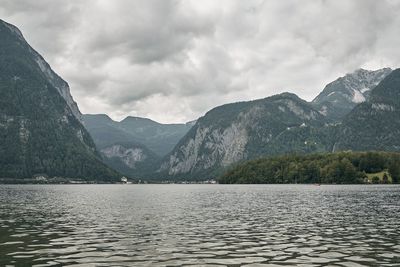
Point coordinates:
pixel 40 127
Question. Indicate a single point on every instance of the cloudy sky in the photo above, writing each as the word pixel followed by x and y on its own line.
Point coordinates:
pixel 174 60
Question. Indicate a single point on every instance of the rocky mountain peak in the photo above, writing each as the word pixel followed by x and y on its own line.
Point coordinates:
pixel 340 96
pixel 374 124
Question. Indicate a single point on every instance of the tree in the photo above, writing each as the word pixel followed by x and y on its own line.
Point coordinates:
pixel 394 171
pixel 340 168
pixel 341 172
pixel 375 180
pixel 385 179
pixel 372 162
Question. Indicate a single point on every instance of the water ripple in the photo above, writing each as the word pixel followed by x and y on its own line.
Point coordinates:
pixel 202 225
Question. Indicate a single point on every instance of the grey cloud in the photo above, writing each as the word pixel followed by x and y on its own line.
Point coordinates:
pixel 154 31
pixel 174 60
pixel 46 24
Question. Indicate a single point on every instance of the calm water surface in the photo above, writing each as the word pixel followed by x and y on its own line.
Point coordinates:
pixel 183 225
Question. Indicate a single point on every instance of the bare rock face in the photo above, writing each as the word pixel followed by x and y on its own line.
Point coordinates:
pixel 61 85
pixel 132 159
pixel 130 156
pixel 236 132
pixel 226 146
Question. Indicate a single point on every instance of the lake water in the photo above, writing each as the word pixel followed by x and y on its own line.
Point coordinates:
pixel 183 225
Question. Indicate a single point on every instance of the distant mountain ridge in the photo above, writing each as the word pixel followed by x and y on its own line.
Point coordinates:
pixel 158 137
pixel 133 146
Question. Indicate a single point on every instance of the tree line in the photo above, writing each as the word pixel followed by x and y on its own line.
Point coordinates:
pixel 327 168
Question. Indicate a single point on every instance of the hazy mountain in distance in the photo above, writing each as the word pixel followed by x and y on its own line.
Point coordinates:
pixel 105 131
pixel 135 145
pixel 159 138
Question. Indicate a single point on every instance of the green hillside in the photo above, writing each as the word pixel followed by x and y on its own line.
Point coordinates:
pixel 329 168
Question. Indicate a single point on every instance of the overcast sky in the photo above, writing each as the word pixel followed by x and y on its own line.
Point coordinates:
pixel 174 60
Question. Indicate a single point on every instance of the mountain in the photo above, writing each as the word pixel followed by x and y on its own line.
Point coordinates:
pixel 135 145
pixel 159 138
pixel 339 97
pixel 276 125
pixel 375 124
pixel 105 131
pixel 131 159
pixel 235 132
pixel 40 124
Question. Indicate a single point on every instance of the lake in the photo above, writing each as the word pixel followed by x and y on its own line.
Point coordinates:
pixel 209 225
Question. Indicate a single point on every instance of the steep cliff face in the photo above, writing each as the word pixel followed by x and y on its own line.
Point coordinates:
pixel 131 159
pixel 210 146
pixel 375 124
pixel 52 77
pixel 239 131
pixel 40 128
pixel 130 156
pixel 58 83
pixel 340 96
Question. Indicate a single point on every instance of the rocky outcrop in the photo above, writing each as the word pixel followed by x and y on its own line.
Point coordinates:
pixel 128 155
pixel 131 159
pixel 340 96
pixel 236 132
